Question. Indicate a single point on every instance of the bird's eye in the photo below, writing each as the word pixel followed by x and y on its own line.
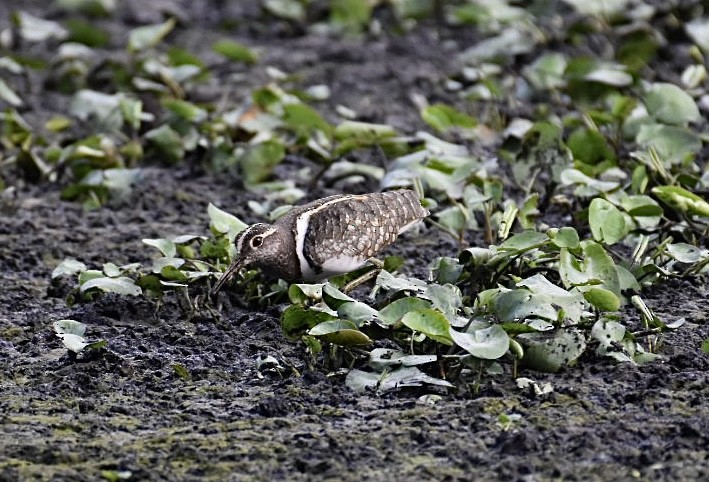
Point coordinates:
pixel 256 241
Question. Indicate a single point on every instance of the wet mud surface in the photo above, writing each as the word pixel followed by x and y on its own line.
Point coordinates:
pixel 128 409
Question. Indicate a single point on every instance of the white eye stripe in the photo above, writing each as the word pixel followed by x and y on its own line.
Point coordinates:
pixel 262 237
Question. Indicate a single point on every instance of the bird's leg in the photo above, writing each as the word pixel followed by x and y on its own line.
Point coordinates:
pixel 378 266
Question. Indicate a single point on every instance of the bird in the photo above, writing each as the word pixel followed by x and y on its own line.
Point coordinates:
pixel 329 236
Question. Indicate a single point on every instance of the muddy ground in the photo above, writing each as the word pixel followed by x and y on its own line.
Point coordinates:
pixel 128 412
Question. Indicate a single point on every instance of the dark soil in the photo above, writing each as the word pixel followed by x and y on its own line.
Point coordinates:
pixel 127 409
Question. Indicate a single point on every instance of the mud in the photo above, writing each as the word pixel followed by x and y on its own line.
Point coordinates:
pixel 126 410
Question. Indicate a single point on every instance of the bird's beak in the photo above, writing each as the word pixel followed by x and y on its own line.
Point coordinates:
pixel 233 269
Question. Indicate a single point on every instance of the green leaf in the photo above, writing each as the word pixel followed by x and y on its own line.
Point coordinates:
pixel 71 327
pixel 340 332
pixel 303 119
pixel 608 333
pixel 167 142
pixel 35 29
pixel 671 105
pixel 705 346
pixel 544 290
pixel 351 15
pixel 68 267
pixel 673 144
pixel 120 285
pixel 686 253
pixel 166 247
pixel 235 51
pixel 566 237
pixel 590 146
pixel 223 222
pixel 143 38
pixel 185 110
pixel 606 221
pixel 361 381
pixel 301 293
pixel 524 241
pixel 381 358
pixel 602 299
pixel 357 312
pixel 431 323
pixel 487 343
pixel 392 313
pixel 444 118
pixel 522 304
pixel 297 319
pixel 9 95
pixel 549 352
pixel 86 33
pixel 598 265
pixel 287 9
pixel 259 160
pixel 682 200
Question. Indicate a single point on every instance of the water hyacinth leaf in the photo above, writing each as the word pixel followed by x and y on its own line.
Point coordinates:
pixel 167 142
pixel 223 222
pixel 606 221
pixel 360 381
pixel 340 332
pixel 686 253
pixel 381 358
pixel 301 293
pixel 392 313
pixel 235 51
pixel 111 270
pixel 304 120
pixel 613 75
pixel 89 274
pixel 487 343
pixel 172 273
pixel 608 333
pixel 73 343
pixel 259 160
pixel 185 110
pixel 598 265
pixel 121 285
pixel 673 144
pixel 148 36
pixel 68 267
pixel 444 298
pixel 670 104
pixel 510 42
pixel 570 302
pixel 698 30
pixel 363 131
pixel 357 312
pixel 35 29
pixel 447 270
pixel 521 304
pixel 590 146
pixel 286 9
pixel 602 299
pixel 431 323
pixel 166 247
pixel 682 200
pixel 350 15
pixel 547 72
pixel 388 281
pixel 566 237
pixel 549 352
pixel 297 319
pixel 70 327
pixel 444 118
pixel 524 241
pixel 8 95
